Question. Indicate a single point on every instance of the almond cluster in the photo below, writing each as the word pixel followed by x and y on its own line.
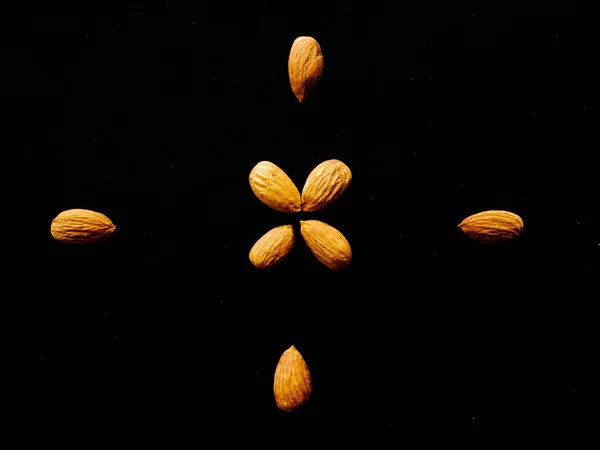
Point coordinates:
pixel 323 186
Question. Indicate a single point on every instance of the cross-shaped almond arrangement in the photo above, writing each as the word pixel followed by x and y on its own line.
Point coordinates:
pixel 323 186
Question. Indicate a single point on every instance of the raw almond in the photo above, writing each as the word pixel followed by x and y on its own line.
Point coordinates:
pixel 81 226
pixel 327 244
pixel 292 384
pixel 493 226
pixel 272 247
pixel 274 188
pixel 305 66
pixel 325 184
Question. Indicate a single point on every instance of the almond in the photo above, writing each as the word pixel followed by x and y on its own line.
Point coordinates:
pixel 81 226
pixel 305 66
pixel 325 184
pixel 274 188
pixel 272 247
pixel 493 226
pixel 292 384
pixel 327 244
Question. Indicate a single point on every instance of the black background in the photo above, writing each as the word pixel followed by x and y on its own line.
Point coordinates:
pixel 155 113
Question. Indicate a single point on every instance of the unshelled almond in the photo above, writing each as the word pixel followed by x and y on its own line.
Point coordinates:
pixel 292 383
pixel 81 226
pixel 493 226
pixel 305 66
pixel 327 243
pixel 325 184
pixel 272 247
pixel 274 187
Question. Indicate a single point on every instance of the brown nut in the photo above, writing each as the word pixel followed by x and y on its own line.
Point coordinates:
pixel 81 226
pixel 325 184
pixel 493 226
pixel 305 66
pixel 274 187
pixel 272 247
pixel 292 384
pixel 327 244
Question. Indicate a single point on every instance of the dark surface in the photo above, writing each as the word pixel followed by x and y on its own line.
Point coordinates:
pixel 155 114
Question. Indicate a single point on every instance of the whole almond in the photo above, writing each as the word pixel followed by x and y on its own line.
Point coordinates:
pixel 274 188
pixel 325 184
pixel 327 244
pixel 493 226
pixel 292 384
pixel 272 247
pixel 305 66
pixel 81 226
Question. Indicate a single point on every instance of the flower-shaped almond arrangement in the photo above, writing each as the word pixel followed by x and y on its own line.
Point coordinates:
pixel 324 185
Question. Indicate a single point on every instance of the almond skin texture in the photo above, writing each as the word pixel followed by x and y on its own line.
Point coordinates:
pixel 274 188
pixel 325 184
pixel 493 226
pixel 292 384
pixel 81 226
pixel 305 66
pixel 272 247
pixel 327 244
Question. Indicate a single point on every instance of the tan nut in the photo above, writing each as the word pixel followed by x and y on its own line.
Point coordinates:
pixel 274 187
pixel 305 66
pixel 292 383
pixel 273 247
pixel 325 184
pixel 493 226
pixel 327 243
pixel 81 226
